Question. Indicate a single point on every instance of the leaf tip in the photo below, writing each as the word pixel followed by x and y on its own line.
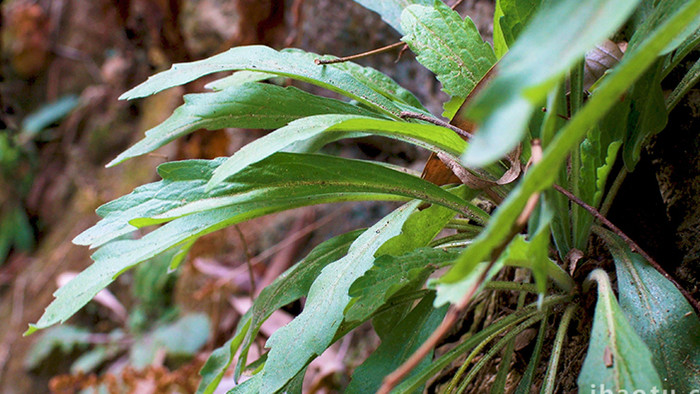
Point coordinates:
pixel 213 182
pixel 128 95
pixel 138 91
pixel 114 162
pixel 31 330
pixel 82 239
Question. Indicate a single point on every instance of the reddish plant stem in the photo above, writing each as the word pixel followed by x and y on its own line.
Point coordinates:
pixel 393 379
pixel 248 258
pixel 456 4
pixel 632 245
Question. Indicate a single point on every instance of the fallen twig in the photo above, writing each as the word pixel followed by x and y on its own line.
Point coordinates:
pixel 359 55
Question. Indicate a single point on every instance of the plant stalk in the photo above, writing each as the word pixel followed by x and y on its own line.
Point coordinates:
pixel 614 188
pixel 550 376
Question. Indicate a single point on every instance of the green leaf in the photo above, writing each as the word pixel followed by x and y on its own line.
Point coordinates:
pixel 292 64
pixel 279 182
pixel 66 338
pixel 558 36
pixel 185 336
pixel 296 384
pixel 15 229
pixel 531 254
pixel 249 105
pixel 420 229
pixel 48 114
pixel 642 14
pixel 516 16
pixel 252 386
pixel 617 357
pixel 450 47
pixel 431 137
pixel 310 333
pixel 390 274
pixel 452 292
pixel 221 358
pixel 690 79
pixel 648 114
pixel 598 154
pixel 288 287
pixel 423 226
pixel 535 253
pixel 151 284
pixel 499 41
pixel 661 316
pixel 683 50
pixel 390 10
pixel 611 132
pixel 653 15
pixel 400 344
pixel 542 175
pixel 182 338
pixel 92 359
pixel 179 185
pixel 317 179
pixel 504 367
pixel 375 80
pixel 236 79
pixel 525 385
pixel 390 277
pixel 553 200
pixel 179 256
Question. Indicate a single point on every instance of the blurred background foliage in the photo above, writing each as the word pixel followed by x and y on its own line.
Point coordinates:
pixel 65 62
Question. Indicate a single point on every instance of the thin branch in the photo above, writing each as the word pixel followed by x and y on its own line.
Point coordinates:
pixel 456 4
pixel 248 259
pixel 80 56
pixel 375 51
pixel 359 55
pixel 401 52
pixel 297 20
pixel 435 121
pixel 632 245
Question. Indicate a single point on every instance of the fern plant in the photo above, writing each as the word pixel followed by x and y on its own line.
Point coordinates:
pixel 639 340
